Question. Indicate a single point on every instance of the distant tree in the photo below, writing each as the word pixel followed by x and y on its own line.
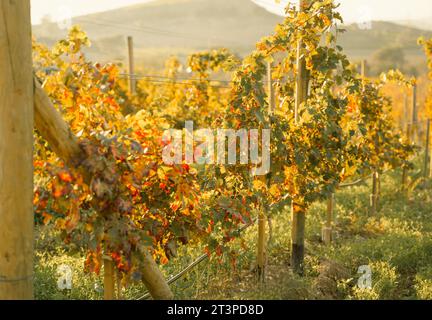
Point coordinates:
pixel 389 58
pixel 48 29
pixel 46 19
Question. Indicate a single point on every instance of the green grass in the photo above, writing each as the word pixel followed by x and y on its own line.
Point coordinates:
pixel 396 244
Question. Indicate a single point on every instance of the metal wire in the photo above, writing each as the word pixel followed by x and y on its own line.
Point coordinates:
pixel 158 81
pixel 198 261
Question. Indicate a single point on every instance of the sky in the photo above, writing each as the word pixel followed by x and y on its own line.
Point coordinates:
pixel 359 10
pixel 352 10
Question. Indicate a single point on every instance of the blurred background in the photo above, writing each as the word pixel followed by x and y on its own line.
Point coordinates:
pixel 384 32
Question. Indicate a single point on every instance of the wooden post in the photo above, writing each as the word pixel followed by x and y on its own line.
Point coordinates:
pixel 119 286
pixel 16 152
pixel 405 120
pixel 302 73
pixel 374 195
pixel 132 76
pixel 414 119
pixel 271 93
pixel 363 68
pixel 56 132
pixel 376 183
pixel 261 259
pixel 328 227
pixel 430 156
pixel 405 170
pixel 154 280
pixel 109 280
pixel 404 178
pixel 298 215
pixel 426 169
pixel 378 195
pixel 261 250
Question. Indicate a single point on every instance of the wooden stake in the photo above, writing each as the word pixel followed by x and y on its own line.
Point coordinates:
pixel 405 120
pixel 414 106
pixel 261 250
pixel 414 115
pixel 132 76
pixel 379 192
pixel 55 131
pixel 261 259
pixel 271 93
pixel 363 68
pixel 374 195
pixel 298 216
pixel 302 74
pixel 300 86
pixel 426 169
pixel 404 178
pixel 374 198
pixel 119 286
pixel 405 170
pixel 109 280
pixel 378 195
pixel 328 227
pixel 16 152
pixel 376 183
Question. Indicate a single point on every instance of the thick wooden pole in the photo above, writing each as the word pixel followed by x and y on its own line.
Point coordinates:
pixel 426 168
pixel 154 280
pixel 54 129
pixel 132 76
pixel 299 216
pixel 16 151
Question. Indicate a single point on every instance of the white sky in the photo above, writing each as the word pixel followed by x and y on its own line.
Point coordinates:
pixel 359 10
pixel 352 10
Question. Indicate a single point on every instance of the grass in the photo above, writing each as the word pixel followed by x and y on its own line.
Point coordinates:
pixel 396 244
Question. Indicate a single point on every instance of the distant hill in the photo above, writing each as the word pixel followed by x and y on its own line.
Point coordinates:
pixel 425 24
pixel 381 35
pixel 167 27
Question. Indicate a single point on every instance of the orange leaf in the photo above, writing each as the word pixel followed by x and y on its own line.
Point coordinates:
pixel 47 217
pixel 74 217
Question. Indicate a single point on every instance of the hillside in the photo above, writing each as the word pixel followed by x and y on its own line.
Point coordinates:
pixel 166 27
pixel 169 27
pixel 381 35
pixel 425 24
